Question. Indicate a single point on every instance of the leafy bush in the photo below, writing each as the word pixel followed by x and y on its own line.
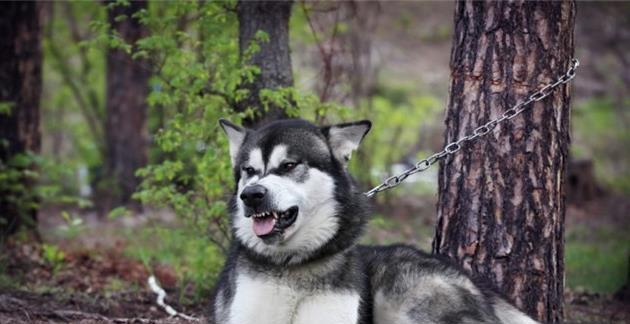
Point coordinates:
pixel 195 84
pixel 15 176
pixel 197 80
pixel 27 180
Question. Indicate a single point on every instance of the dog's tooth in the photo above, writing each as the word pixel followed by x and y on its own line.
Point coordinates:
pixel 275 215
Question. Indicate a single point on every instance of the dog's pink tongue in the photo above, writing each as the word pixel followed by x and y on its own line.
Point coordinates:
pixel 264 226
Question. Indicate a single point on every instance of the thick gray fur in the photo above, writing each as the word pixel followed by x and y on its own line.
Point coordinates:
pixel 330 278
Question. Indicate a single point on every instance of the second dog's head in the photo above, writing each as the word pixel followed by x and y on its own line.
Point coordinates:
pixel 294 199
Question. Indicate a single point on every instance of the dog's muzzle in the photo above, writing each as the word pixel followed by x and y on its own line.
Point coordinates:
pixel 253 196
pixel 268 221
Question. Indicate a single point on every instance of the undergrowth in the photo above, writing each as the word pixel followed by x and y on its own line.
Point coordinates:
pixel 195 260
pixel 596 260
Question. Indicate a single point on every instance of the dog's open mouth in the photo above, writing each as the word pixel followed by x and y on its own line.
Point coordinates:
pixel 271 222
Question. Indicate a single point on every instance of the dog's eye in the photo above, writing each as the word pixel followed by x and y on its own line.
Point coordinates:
pixel 249 170
pixel 288 166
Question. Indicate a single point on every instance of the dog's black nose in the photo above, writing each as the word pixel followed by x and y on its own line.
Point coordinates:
pixel 253 196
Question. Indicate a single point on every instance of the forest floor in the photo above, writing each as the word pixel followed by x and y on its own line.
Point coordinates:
pixel 89 278
pixel 92 286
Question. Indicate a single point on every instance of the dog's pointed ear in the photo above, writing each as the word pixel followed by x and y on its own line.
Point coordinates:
pixel 345 138
pixel 236 136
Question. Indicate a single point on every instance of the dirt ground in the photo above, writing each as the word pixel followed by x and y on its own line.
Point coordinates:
pixel 19 306
pixel 99 284
pixel 27 307
pixel 81 291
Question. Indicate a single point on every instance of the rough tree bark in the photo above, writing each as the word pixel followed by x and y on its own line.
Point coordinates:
pixel 273 59
pixel 126 132
pixel 20 87
pixel 501 200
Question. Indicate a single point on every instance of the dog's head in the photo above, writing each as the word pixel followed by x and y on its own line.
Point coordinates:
pixel 294 199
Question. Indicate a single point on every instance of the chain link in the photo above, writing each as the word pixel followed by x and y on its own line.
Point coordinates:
pixel 480 131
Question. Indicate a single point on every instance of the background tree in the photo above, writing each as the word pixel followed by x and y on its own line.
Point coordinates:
pixel 20 90
pixel 501 201
pixel 127 89
pixel 273 57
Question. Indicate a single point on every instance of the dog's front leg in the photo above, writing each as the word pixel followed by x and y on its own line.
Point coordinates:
pixel 330 308
pixel 262 301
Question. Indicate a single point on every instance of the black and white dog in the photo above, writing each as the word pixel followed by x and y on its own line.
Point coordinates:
pixel 296 218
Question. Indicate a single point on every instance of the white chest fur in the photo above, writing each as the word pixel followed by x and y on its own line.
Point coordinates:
pixel 259 301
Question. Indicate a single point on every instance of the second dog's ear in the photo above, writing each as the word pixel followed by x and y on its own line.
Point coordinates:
pixel 236 136
pixel 345 138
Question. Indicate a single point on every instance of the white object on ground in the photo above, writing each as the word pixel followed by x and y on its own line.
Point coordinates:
pixel 161 294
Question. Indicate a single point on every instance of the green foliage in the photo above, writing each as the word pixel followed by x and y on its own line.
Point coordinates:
pixel 118 212
pixel 195 85
pixel 198 80
pixel 397 119
pixel 53 256
pixel 73 227
pixel 5 108
pixel 17 176
pixel 115 285
pixel 195 261
pixel 398 111
pixel 27 180
pixel 73 112
pixel 600 133
pixel 597 260
pixel 55 184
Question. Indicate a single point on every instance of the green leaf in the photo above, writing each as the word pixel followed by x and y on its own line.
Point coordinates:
pixel 6 107
pixel 118 212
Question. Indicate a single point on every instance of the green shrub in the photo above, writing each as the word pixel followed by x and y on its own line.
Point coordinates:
pixel 197 80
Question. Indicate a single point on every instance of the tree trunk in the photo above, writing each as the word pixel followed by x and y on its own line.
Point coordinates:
pixel 273 58
pixel 20 89
pixel 501 199
pixel 125 104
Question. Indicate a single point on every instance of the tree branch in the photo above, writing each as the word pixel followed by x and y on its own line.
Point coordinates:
pixel 86 65
pixel 68 76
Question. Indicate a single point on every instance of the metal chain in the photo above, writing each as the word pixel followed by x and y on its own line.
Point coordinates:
pixel 480 131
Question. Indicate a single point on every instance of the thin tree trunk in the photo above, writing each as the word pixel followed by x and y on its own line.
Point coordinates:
pixel 20 89
pixel 501 200
pixel 126 108
pixel 273 58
